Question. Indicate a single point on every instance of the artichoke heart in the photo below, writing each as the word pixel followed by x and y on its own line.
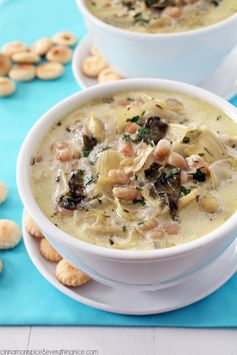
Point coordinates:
pixel 183 201
pixel 140 161
pixel 220 170
pixel 96 127
pixel 159 108
pixel 103 186
pixel 176 132
pixel 204 141
pixel 109 159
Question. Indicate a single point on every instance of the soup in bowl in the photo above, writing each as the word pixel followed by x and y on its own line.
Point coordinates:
pixel 133 173
pixel 162 16
pixel 139 39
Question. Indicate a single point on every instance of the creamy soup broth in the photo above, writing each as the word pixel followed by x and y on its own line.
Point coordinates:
pixel 162 16
pixel 138 170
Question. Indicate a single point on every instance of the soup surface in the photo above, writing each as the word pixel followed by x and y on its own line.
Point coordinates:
pixel 154 16
pixel 138 170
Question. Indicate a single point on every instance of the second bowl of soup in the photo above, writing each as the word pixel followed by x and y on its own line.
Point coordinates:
pixel 180 40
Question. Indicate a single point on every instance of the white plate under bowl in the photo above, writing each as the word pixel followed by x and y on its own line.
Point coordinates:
pixel 127 301
pixel 222 82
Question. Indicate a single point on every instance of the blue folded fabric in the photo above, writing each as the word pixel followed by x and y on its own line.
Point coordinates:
pixel 26 298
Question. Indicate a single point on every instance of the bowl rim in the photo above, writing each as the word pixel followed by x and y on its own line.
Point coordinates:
pixel 151 36
pixel 42 126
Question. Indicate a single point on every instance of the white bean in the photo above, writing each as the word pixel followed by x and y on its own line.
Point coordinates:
pixel 177 160
pixel 126 149
pixel 118 177
pixel 59 145
pixel 172 228
pixel 125 193
pixel 162 149
pixel 157 234
pixel 151 224
pixel 209 204
pixel 173 11
pixel 68 154
pixel 195 161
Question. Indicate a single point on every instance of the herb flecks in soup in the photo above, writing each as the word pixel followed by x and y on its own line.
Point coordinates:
pixel 154 16
pixel 138 170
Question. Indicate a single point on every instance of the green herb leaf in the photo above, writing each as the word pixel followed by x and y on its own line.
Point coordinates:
pixel 138 18
pixel 86 152
pixel 141 134
pixel 216 2
pixel 172 171
pixel 90 180
pixel 139 201
pixel 150 142
pixel 184 190
pixel 126 138
pixel 81 172
pixel 136 119
pixel 186 140
pixel 199 176
pixel 124 229
pixel 201 154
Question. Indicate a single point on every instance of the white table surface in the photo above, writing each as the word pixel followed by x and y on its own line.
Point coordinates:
pixel 119 341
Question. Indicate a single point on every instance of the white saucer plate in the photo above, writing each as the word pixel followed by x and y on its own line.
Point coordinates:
pixel 127 301
pixel 222 82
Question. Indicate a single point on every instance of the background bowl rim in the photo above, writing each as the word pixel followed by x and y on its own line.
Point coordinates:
pixel 151 36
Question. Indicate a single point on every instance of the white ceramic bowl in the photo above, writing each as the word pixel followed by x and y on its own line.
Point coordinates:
pixel 144 270
pixel 186 56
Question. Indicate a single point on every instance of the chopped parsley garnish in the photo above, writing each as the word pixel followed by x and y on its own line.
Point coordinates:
pixel 184 190
pixel 80 172
pixel 138 188
pixel 201 154
pixel 141 134
pixel 150 142
pixel 139 201
pixel 149 2
pixel 138 18
pixel 199 175
pixel 90 180
pixel 126 138
pixel 186 140
pixel 130 99
pixel 135 177
pixel 136 119
pixel 86 152
pixel 172 171
pixel 215 2
pixel 124 229
pixel 129 4
pixel 139 223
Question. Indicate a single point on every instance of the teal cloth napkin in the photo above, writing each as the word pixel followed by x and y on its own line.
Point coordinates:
pixel 26 298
